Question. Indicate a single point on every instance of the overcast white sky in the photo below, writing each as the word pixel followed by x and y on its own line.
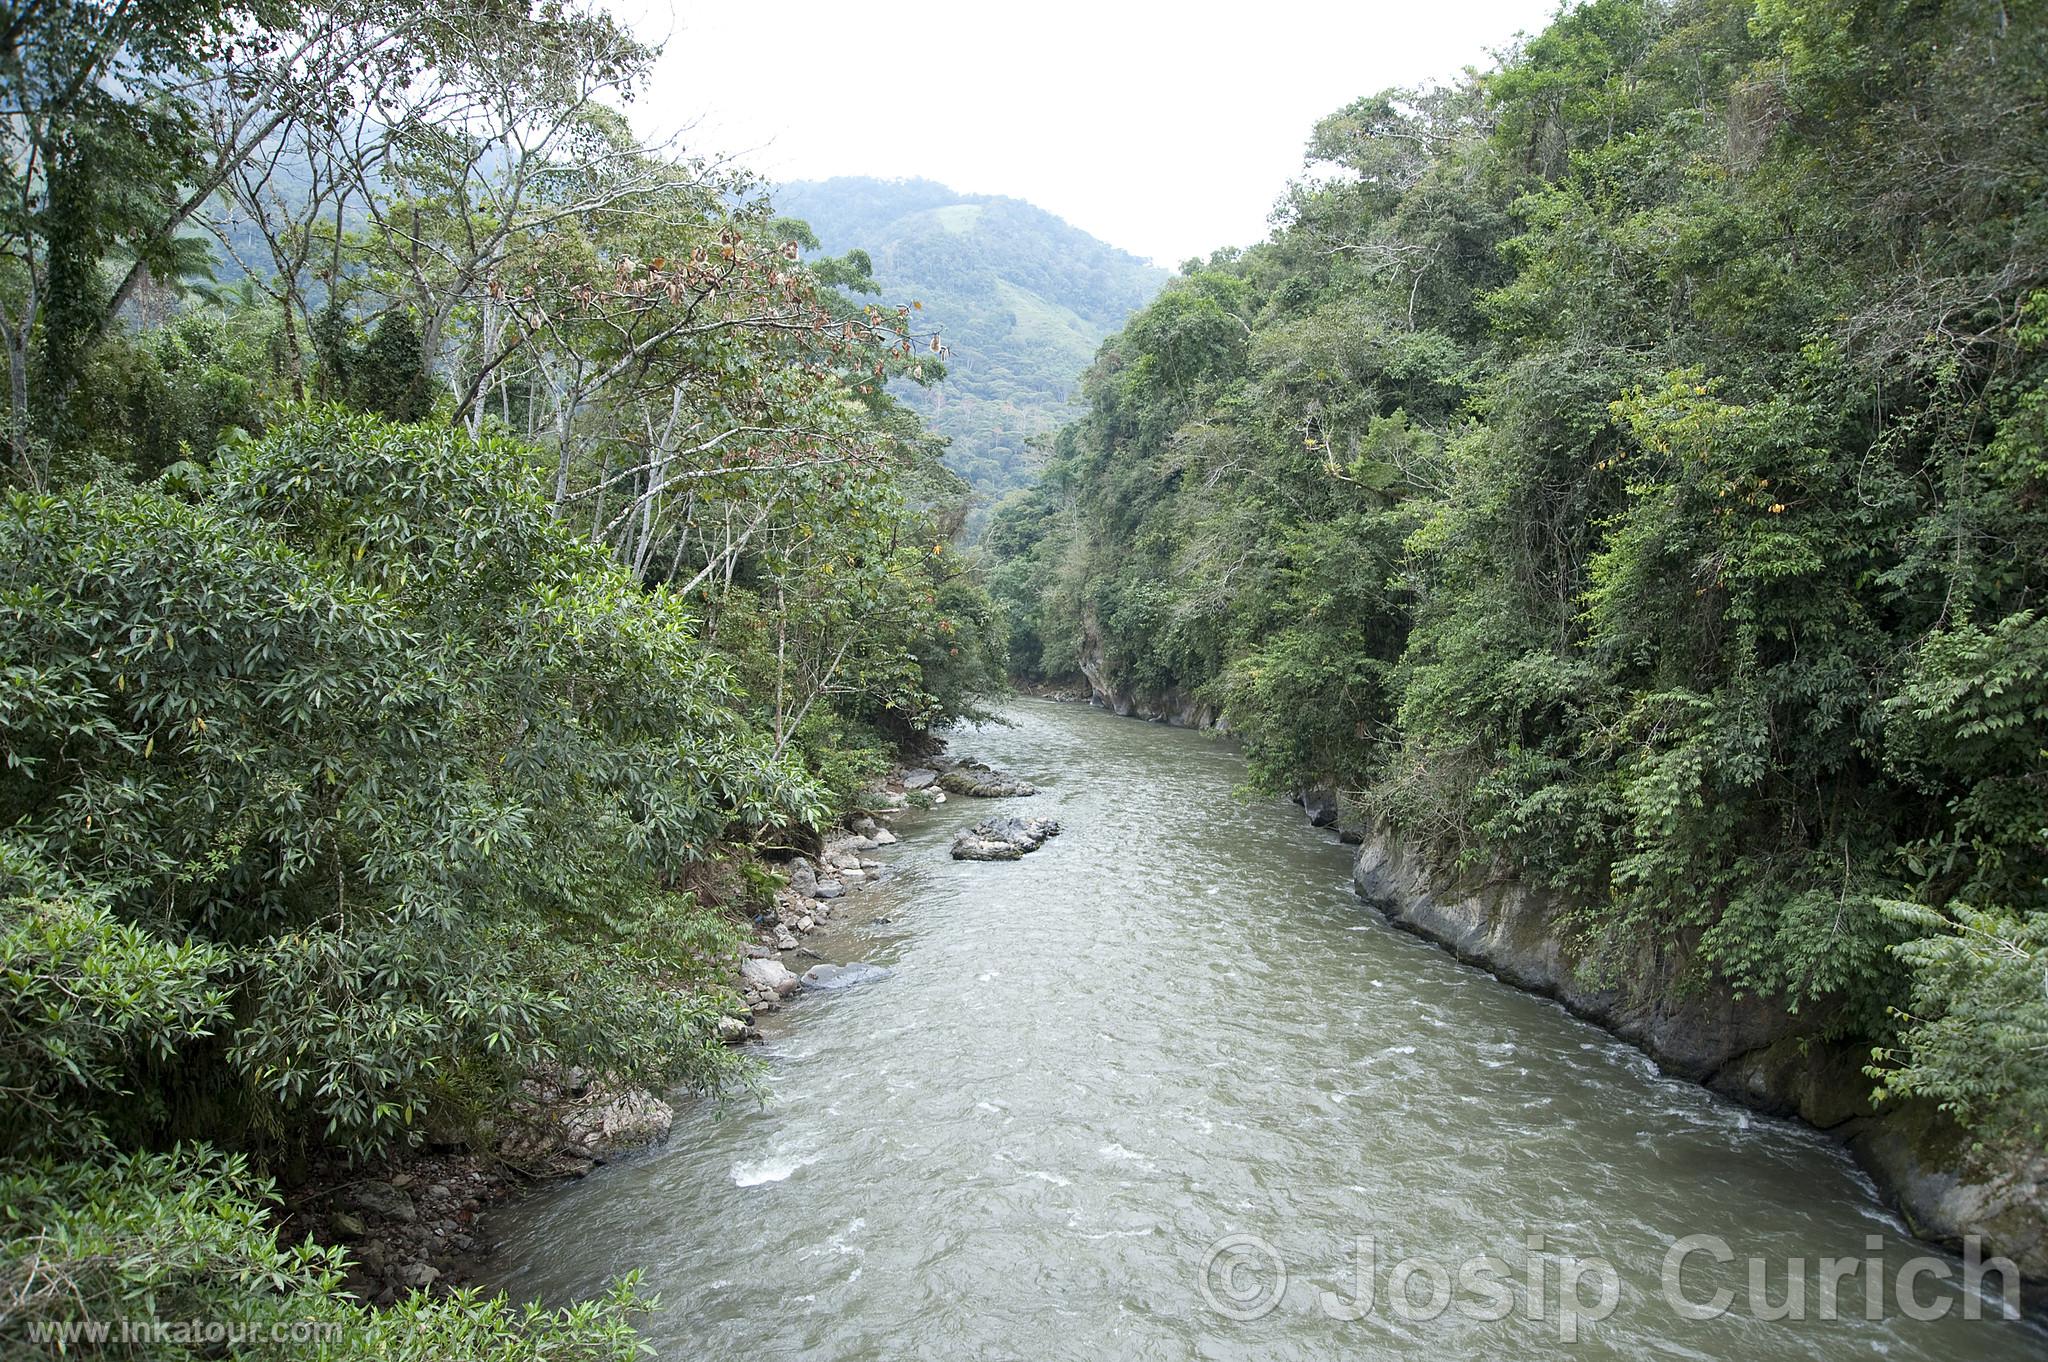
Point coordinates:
pixel 1168 130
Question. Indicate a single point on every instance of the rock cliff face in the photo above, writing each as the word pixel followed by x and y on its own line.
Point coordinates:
pixel 1745 1048
pixel 1168 707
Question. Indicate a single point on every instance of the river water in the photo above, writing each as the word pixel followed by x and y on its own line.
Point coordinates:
pixel 1107 1086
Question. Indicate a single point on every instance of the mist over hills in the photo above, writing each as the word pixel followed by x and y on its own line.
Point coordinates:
pixel 1024 299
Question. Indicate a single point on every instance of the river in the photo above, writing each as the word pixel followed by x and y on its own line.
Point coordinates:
pixel 1108 1085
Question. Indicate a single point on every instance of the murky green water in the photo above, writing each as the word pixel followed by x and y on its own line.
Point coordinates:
pixel 1173 1025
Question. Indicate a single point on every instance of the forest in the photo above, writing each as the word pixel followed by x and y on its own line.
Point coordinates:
pixel 1623 472
pixel 453 548
pixel 1024 299
pixel 446 543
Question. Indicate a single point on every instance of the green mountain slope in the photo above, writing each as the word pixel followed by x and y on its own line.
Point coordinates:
pixel 1023 298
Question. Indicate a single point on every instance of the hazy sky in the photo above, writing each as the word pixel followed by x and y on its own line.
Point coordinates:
pixel 1168 130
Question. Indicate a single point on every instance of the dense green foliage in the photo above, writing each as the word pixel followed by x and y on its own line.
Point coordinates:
pixel 1627 469
pixel 404 652
pixel 1024 299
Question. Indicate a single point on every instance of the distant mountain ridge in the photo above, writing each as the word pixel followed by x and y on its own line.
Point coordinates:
pixel 1023 297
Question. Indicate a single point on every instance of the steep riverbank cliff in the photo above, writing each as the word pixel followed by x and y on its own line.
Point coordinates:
pixel 1744 1048
pixel 1171 705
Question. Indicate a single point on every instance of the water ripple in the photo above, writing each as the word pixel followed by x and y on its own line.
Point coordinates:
pixel 1173 1024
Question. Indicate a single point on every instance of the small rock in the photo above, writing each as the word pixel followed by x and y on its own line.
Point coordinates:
pixel 731 1030
pixel 919 778
pixel 885 838
pixel 785 940
pixel 830 889
pixel 419 1276
pixel 806 924
pixel 348 1226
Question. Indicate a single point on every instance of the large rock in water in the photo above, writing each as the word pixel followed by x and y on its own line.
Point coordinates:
pixel 1003 839
pixel 830 976
pixel 605 1121
pixel 983 782
pixel 769 974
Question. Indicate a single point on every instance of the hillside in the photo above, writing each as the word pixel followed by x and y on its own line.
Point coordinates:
pixel 1023 298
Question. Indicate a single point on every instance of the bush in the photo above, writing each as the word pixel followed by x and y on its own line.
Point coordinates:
pixel 399 756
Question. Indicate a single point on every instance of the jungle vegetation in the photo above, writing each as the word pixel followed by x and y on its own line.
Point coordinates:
pixel 443 542
pixel 1627 470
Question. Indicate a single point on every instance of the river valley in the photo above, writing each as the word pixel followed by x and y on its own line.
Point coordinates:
pixel 1106 1086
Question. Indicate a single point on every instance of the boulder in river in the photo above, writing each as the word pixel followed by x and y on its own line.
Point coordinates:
pixel 1003 839
pixel 919 778
pixel 984 782
pixel 830 976
pixel 607 1121
pixel 771 975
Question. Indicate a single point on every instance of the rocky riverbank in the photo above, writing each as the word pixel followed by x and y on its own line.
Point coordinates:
pixel 1744 1048
pixel 413 1223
